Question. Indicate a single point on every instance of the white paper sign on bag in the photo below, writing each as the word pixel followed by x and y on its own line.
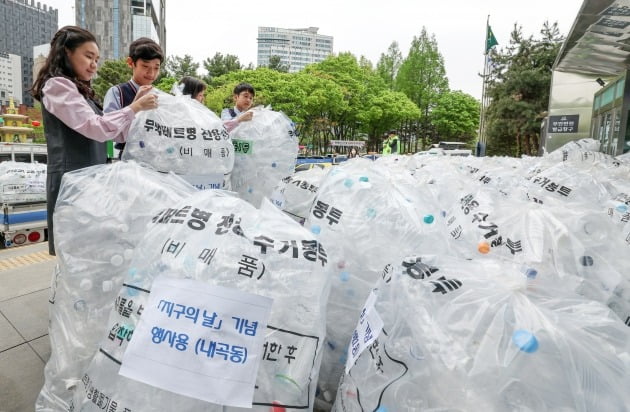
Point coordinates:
pixel 199 340
pixel 368 328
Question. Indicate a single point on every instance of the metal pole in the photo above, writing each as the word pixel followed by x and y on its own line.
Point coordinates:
pixel 482 122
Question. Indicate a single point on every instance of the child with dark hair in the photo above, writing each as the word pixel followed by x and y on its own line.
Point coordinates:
pixel 74 124
pixel 193 87
pixel 145 58
pixel 243 100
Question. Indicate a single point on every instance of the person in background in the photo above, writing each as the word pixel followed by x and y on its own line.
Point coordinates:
pixel 353 153
pixel 74 124
pixel 145 58
pixel 193 87
pixel 243 96
pixel 391 144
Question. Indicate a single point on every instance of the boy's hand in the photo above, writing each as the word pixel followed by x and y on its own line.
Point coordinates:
pixel 143 90
pixel 247 116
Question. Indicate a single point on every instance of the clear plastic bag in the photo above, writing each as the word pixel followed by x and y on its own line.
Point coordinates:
pixel 184 137
pixel 216 238
pixel 22 182
pixel 460 335
pixel 266 149
pixel 101 214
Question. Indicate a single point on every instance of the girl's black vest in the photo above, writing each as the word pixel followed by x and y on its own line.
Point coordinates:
pixel 70 150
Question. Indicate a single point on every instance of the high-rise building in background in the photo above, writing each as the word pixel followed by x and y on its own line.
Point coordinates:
pixel 40 53
pixel 116 23
pixel 10 78
pixel 296 48
pixel 23 25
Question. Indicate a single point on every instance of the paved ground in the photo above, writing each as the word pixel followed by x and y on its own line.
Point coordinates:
pixel 25 274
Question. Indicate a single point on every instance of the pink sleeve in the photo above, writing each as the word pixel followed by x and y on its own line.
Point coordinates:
pixel 62 99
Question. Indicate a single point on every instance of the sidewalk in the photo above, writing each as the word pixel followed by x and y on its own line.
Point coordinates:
pixel 25 274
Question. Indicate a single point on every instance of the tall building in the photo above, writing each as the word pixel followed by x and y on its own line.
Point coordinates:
pixel 23 25
pixel 117 23
pixel 10 78
pixel 296 47
pixel 40 54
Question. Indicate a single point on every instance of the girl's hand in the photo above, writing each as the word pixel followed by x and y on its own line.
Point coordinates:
pixel 146 102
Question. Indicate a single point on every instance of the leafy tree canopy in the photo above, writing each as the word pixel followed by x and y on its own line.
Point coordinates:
pixel 519 90
pixel 456 116
pixel 179 67
pixel 220 65
pixel 111 73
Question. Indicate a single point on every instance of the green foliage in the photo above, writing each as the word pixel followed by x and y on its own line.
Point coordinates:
pixel 519 91
pixel 275 63
pixel 345 98
pixel 179 67
pixel 456 117
pixel 220 65
pixel 111 73
pixel 166 83
pixel 422 77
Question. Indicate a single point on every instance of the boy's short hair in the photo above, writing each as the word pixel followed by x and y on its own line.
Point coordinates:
pixel 146 49
pixel 244 87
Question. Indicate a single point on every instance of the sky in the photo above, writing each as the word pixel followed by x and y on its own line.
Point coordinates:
pixel 201 28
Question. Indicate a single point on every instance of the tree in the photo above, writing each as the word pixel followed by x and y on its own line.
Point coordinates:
pixel 275 63
pixel 388 65
pixel 111 73
pixel 519 91
pixel 179 67
pixel 166 83
pixel 220 65
pixel 422 78
pixel 456 116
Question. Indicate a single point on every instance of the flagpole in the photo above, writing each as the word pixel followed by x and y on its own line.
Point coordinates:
pixel 482 123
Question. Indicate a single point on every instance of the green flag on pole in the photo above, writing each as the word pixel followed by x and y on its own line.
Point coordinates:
pixel 491 41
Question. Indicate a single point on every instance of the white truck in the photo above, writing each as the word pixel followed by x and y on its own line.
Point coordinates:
pixel 23 223
pixel 22 194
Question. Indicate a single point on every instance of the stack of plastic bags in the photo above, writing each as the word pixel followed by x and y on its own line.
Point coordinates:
pixel 449 334
pixel 101 214
pixel 22 182
pixel 212 238
pixel 370 215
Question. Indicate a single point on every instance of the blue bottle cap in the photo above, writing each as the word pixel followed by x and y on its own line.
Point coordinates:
pixel 525 340
pixel 531 273
pixel 371 213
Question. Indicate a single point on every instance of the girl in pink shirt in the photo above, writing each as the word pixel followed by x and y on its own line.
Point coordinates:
pixel 74 125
